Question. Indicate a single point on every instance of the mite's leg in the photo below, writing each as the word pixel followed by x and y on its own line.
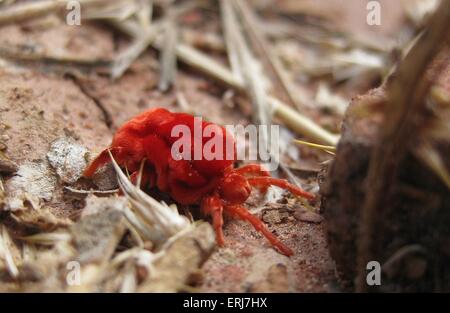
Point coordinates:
pixel 212 205
pixel 252 169
pixel 102 159
pixel 262 182
pixel 256 170
pixel 242 213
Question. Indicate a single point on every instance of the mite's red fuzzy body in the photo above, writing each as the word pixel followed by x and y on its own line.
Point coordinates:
pixel 214 184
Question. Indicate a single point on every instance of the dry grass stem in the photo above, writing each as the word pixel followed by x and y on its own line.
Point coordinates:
pixel 328 149
pixel 47 239
pixel 435 162
pixel 263 47
pixel 118 10
pixel 88 192
pixel 162 221
pixel 123 61
pixel 168 59
pixel 19 12
pixel 230 30
pixel 5 252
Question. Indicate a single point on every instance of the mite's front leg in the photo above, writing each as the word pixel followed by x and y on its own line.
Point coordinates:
pixel 101 159
pixel 242 213
pixel 264 182
pixel 212 205
pixel 253 169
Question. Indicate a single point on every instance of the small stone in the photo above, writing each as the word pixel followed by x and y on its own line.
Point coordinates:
pixel 304 215
pixel 6 165
pixel 96 235
pixel 105 178
pixel 68 158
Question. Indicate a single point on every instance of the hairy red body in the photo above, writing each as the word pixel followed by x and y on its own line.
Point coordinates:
pixel 214 184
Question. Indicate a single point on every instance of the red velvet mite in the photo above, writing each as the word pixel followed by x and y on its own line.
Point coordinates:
pixel 214 184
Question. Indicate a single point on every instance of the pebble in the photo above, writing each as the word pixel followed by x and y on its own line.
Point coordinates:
pixel 6 165
pixel 68 158
pixel 308 216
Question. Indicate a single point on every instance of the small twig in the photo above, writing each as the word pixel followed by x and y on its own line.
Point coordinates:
pixel 17 13
pixel 203 40
pixel 249 66
pixel 230 31
pixel 401 254
pixel 431 157
pixel 328 149
pixel 134 29
pixel 5 242
pixel 28 10
pixel 82 86
pixel 145 13
pixel 14 53
pixel 142 39
pixel 302 124
pixel 168 57
pixel 2 188
pixel 119 11
pixel 88 192
pixel 123 61
pixel 263 47
pixel 47 239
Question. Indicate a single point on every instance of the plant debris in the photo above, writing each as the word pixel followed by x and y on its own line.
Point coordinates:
pixel 33 183
pixel 305 215
pixel 96 235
